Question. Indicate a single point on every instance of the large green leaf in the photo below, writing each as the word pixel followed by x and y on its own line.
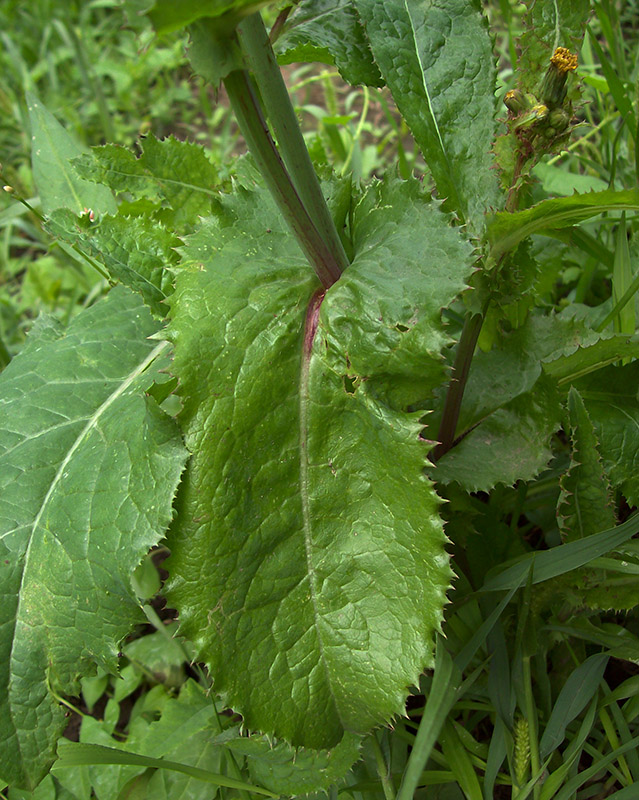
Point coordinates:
pixel 88 470
pixel 510 408
pixel 329 31
pixel 294 770
pixel 437 61
pixel 308 560
pixel 510 444
pixel 52 150
pixel 505 230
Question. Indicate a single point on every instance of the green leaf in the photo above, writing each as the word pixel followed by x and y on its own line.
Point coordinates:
pixel 510 408
pixel 505 230
pixel 73 754
pixel 593 356
pixel 624 322
pixel 329 31
pixel 547 564
pixel 294 771
pixel 437 61
pixel 610 397
pixel 167 15
pixel 88 470
pixel 52 150
pixel 174 172
pixel 308 553
pixel 560 23
pixel 577 691
pixel 214 51
pixel 159 656
pixel 137 251
pixel 512 443
pixel 584 505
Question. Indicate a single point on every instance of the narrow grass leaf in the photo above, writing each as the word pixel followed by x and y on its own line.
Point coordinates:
pixel 459 762
pixel 571 754
pixel 440 700
pixel 576 692
pixel 561 559
pixel 621 280
pixel 506 230
pixel 572 785
pixel 627 793
pixel 619 93
pixel 76 754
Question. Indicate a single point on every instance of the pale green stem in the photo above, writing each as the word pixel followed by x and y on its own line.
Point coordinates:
pixel 358 131
pixel 382 769
pixel 281 114
pixel 250 118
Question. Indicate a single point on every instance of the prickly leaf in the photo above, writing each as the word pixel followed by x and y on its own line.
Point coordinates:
pixel 88 470
pixel 437 60
pixel 308 552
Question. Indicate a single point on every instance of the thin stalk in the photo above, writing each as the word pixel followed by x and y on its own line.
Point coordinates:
pixel 382 769
pixel 457 385
pixel 281 114
pixel 250 118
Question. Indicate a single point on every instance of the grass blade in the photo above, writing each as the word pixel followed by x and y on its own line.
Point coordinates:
pixel 75 754
pixel 440 700
pixel 564 558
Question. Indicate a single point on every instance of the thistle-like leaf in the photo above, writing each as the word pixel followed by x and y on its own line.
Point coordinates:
pixel 136 251
pixel 176 173
pixel 88 469
pixel 584 505
pixel 308 560
pixel 437 60
pixel 560 23
pixel 610 397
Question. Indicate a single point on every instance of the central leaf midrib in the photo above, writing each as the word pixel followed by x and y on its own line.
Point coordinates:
pixel 310 327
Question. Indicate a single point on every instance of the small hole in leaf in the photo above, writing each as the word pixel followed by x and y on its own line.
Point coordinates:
pixel 401 328
pixel 350 383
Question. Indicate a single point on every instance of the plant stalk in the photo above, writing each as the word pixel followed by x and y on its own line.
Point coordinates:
pixel 382 768
pixel 457 385
pixel 281 114
pixel 250 118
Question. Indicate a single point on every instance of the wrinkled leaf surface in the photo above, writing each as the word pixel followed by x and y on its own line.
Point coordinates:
pixel 309 553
